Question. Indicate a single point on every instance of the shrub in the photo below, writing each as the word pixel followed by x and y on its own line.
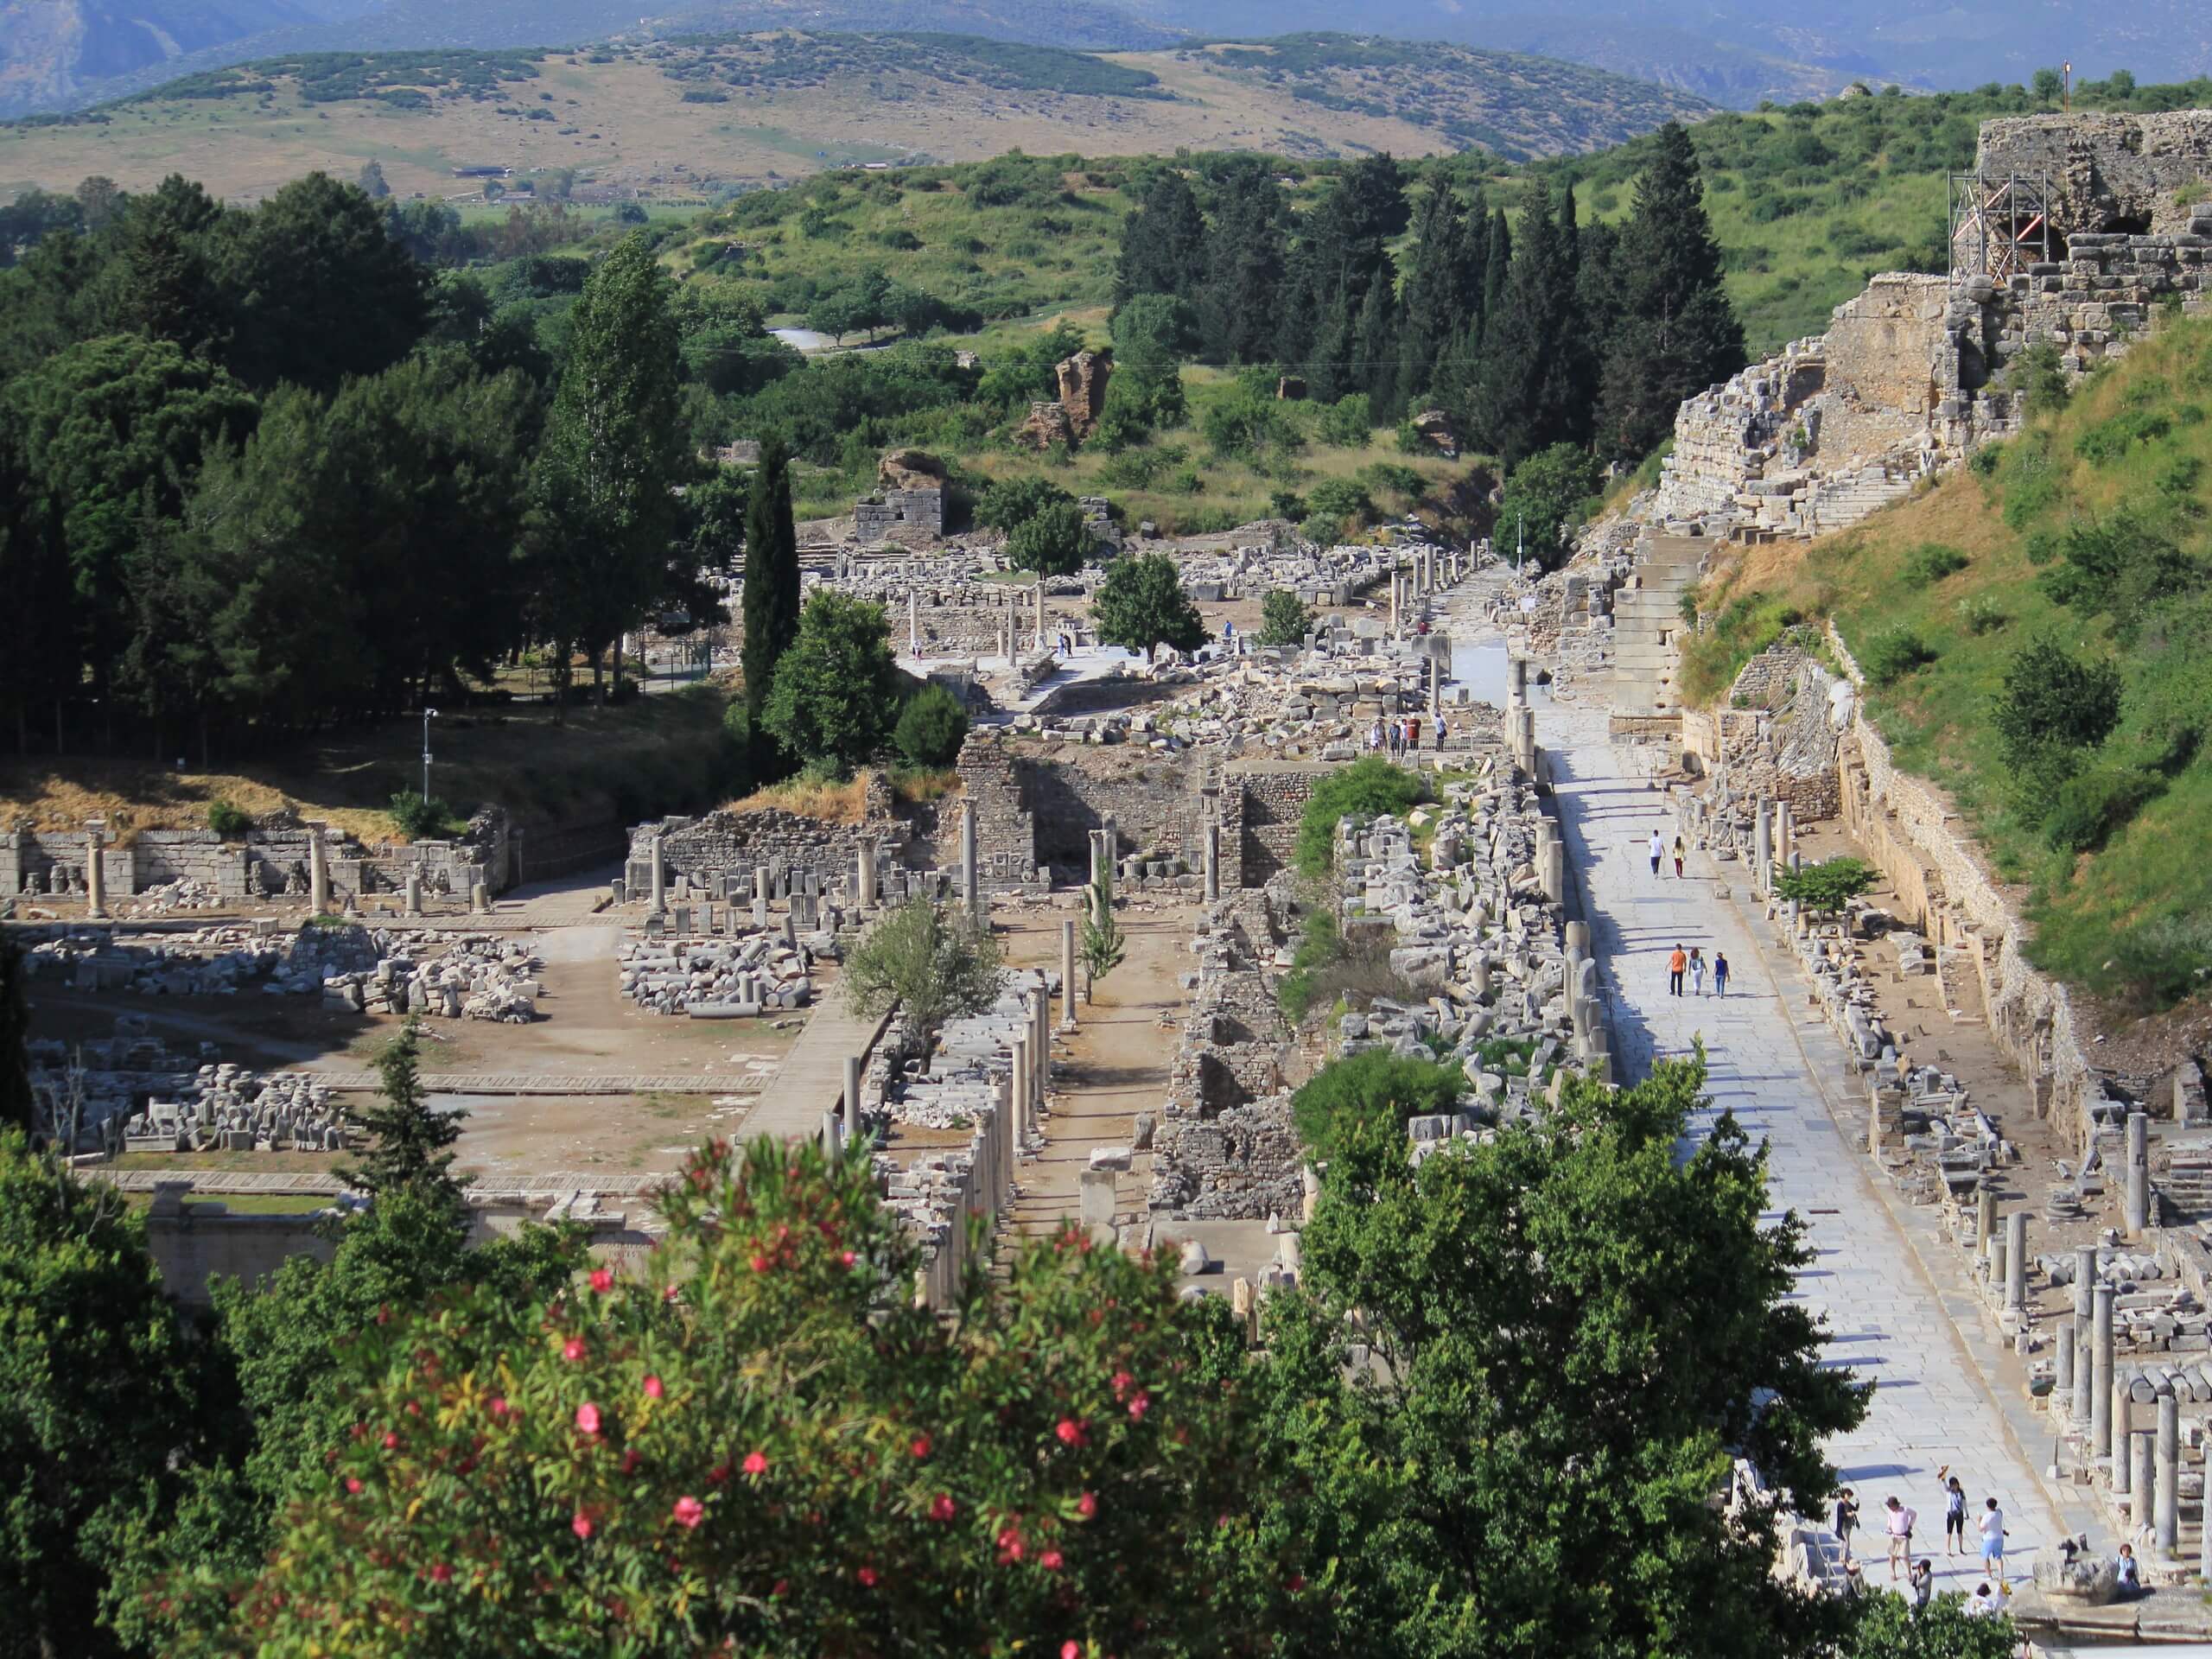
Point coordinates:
pixel 1285 618
pixel 1981 615
pixel 1893 653
pixel 1055 541
pixel 1009 503
pixel 1393 478
pixel 2096 803
pixel 418 819
pixel 1829 885
pixel 229 822
pixel 1343 1098
pixel 2050 696
pixel 1349 422
pixel 1339 498
pixel 1364 789
pixel 1931 562
pixel 931 727
pixel 2113 440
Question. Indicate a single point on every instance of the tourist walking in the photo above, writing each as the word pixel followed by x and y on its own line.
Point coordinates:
pixel 1658 850
pixel 1720 973
pixel 1697 969
pixel 1896 1521
pixel 1847 1518
pixel 1675 964
pixel 1679 850
pixel 1992 1540
pixel 1955 1512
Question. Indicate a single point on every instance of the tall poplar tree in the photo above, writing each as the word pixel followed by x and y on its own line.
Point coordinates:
pixel 770 577
pixel 615 449
pixel 1676 334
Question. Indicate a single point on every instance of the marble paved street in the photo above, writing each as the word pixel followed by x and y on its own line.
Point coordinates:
pixel 1884 1316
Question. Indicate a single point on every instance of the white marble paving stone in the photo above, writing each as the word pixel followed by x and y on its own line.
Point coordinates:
pixel 1884 1316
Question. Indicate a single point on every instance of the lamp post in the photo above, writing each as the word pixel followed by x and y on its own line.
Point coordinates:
pixel 429 714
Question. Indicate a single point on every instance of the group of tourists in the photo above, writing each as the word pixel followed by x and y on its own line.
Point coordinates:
pixel 1691 965
pixel 1400 734
pixel 1899 1521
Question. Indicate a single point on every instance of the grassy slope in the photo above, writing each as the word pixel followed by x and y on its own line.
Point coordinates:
pixel 2141 899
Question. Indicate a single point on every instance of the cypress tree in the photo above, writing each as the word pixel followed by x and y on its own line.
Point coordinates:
pixel 1676 334
pixel 1443 290
pixel 1376 350
pixel 1163 242
pixel 1497 266
pixel 1244 283
pixel 771 586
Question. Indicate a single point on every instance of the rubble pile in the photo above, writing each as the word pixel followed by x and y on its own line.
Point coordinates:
pixel 183 893
pixel 228 1109
pixel 455 975
pixel 725 976
pixel 969 1066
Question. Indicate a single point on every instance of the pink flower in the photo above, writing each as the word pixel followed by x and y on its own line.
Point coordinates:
pixel 391 1441
pixel 631 1459
pixel 670 1293
pixel 442 1573
pixel 758 1263
pixel 499 1405
pixel 602 1281
pixel 942 1509
pixel 848 1259
pixel 921 1445
pixel 1051 1560
pixel 1087 1505
pixel 1122 1383
pixel 573 1350
pixel 587 1417
pixel 866 1576
pixel 580 1525
pixel 756 1462
pixel 353 1483
pixel 1139 1406
pixel 1071 1650
pixel 1071 1432
pixel 653 1388
pixel 689 1511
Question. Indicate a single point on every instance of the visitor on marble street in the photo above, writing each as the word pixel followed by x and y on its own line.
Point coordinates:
pixel 1777 1071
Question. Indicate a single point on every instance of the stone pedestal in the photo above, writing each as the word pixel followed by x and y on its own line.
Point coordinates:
pixel 864 872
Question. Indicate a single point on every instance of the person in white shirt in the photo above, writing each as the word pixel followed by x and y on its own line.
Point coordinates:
pixel 1658 850
pixel 1982 1603
pixel 2128 1574
pixel 1992 1523
pixel 1896 1521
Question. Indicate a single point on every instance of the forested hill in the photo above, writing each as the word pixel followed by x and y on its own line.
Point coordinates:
pixel 686 115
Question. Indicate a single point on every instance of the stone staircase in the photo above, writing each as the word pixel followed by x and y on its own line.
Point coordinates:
pixel 1647 623
pixel 1838 503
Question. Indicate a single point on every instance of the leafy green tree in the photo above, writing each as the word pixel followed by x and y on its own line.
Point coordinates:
pixel 370 181
pixel 1056 542
pixel 1829 885
pixel 926 961
pixel 1675 333
pixel 1368 788
pixel 1547 498
pixel 1349 422
pixel 1008 504
pixel 170 277
pixel 1536 380
pixel 716 508
pixel 615 449
pixel 1367 1094
pixel 1887 1627
pixel 1238 302
pixel 931 727
pixel 1285 618
pixel 410 1145
pixel 772 584
pixel 765 1439
pixel 1152 334
pixel 836 696
pixel 1632 1331
pixel 323 291
pixel 1142 605
pixel 96 1400
pixel 2053 709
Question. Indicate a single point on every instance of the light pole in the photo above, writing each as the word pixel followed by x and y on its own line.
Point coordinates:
pixel 429 714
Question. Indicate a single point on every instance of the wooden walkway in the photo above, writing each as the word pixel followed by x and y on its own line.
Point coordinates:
pixel 811 1080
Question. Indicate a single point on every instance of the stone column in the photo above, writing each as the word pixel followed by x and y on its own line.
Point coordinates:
pixel 1213 863
pixel 2085 1279
pixel 2123 1425
pixel 660 901
pixel 1782 834
pixel 1984 1216
pixel 1598 1058
pixel 1394 581
pixel 2065 1389
pixel 1097 856
pixel 2143 1478
pixel 1012 1122
pixel 415 893
pixel 971 877
pixel 1040 613
pixel 1761 848
pixel 1435 689
pixel 1024 1115
pixel 759 895
pixel 2139 1175
pixel 914 628
pixel 2100 1376
pixel 1516 682
pixel 2016 1261
pixel 2166 1500
pixel 864 891
pixel 1041 1046
pixel 852 1096
pixel 1067 973
pixel 95 874
pixel 1553 873
pixel 318 870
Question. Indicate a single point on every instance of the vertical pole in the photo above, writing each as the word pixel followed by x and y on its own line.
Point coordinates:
pixel 2139 1175
pixel 1067 973
pixel 970 880
pixel 2165 1505
pixel 2100 1378
pixel 852 1097
pixel 2016 1261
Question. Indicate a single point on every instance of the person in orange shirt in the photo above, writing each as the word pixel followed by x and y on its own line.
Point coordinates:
pixel 1675 964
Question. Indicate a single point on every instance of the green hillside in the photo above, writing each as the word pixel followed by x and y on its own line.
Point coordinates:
pixel 2039 629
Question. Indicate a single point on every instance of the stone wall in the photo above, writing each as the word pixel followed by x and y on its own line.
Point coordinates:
pixel 1272 803
pixel 2107 171
pixel 1006 829
pixel 718 855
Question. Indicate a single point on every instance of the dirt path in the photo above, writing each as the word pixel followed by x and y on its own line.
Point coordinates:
pixel 1114 1066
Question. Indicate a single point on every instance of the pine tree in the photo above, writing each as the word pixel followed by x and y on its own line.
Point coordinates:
pixel 410 1145
pixel 1536 386
pixel 1443 289
pixel 772 585
pixel 1676 334
pixel 1243 282
pixel 1376 369
pixel 1163 242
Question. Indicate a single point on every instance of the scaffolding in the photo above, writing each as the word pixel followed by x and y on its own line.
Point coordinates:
pixel 1999 225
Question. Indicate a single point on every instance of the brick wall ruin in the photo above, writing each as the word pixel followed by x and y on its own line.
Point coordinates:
pixel 1272 803
pixel 2107 172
